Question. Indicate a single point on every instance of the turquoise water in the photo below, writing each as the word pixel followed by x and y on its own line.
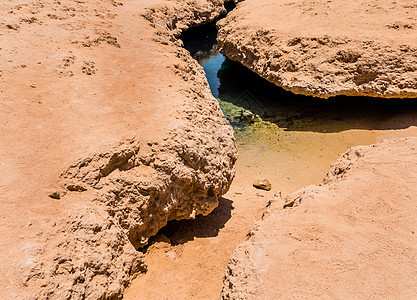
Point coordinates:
pixel 249 102
pixel 292 139
pixel 212 64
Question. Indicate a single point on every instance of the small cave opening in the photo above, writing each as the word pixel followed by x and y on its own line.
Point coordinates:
pixel 201 40
pixel 229 5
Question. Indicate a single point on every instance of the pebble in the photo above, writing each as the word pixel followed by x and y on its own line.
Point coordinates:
pixel 262 184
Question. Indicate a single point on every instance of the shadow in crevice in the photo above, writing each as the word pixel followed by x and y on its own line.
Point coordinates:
pixel 229 5
pixel 183 231
pixel 200 41
pixel 245 89
pixel 234 84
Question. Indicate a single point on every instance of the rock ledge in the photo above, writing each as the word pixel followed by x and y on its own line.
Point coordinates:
pixel 326 49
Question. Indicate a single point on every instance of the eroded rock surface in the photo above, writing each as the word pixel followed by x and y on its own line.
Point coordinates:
pixel 354 236
pixel 109 130
pixel 327 48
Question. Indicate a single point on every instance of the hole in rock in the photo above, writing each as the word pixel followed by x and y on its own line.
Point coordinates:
pixel 182 231
pixel 229 5
pixel 201 41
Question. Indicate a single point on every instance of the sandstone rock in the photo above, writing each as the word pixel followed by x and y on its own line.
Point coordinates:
pixel 327 48
pixel 138 143
pixel 262 184
pixel 351 237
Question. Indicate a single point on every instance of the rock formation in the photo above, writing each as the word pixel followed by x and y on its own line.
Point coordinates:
pixel 327 48
pixel 354 236
pixel 109 131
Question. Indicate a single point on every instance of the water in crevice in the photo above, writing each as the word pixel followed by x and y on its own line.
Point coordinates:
pixel 261 112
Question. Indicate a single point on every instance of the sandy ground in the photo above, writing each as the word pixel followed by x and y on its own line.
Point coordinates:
pixel 51 118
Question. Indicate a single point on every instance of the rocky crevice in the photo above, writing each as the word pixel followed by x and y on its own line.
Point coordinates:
pixel 124 194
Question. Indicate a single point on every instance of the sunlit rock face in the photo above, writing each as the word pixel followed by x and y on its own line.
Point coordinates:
pixel 110 131
pixel 351 236
pixel 324 48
